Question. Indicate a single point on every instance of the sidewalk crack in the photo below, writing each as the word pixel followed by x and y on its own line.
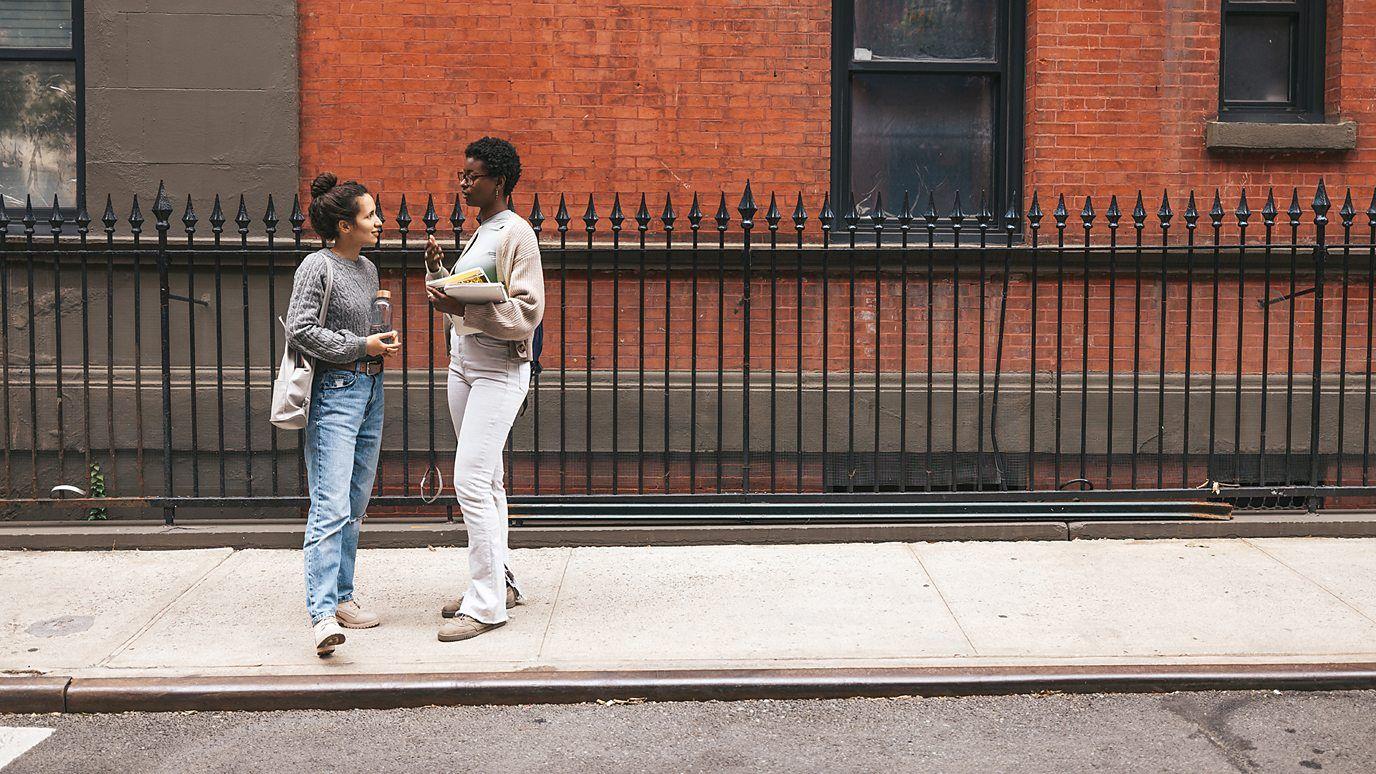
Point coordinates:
pixel 912 549
pixel 554 606
pixel 162 613
pixel 1322 587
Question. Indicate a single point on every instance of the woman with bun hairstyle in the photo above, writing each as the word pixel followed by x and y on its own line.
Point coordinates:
pixel 490 350
pixel 344 426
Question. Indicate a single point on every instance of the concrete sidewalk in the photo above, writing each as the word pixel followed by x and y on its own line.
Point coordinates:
pixel 218 613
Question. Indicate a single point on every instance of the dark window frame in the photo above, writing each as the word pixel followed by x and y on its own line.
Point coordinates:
pixel 1007 70
pixel 1307 75
pixel 76 54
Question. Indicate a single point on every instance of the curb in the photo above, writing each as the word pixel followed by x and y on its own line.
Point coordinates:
pixel 389 691
pixel 33 695
pixel 396 533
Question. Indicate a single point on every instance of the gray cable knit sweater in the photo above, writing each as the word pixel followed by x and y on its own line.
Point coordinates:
pixel 344 336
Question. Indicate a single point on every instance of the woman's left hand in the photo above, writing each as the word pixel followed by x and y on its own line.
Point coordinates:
pixel 441 302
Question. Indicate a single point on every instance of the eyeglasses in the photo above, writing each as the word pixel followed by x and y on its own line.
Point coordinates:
pixel 469 177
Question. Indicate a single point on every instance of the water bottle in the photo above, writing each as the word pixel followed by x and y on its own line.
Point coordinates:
pixel 380 316
pixel 380 319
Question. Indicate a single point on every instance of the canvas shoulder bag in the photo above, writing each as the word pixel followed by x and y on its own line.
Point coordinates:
pixel 291 391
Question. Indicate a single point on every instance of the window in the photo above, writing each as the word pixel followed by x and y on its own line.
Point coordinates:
pixel 1272 61
pixel 40 111
pixel 927 97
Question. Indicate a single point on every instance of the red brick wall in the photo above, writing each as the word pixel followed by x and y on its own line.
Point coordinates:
pixel 1118 96
pixel 597 95
pixel 605 97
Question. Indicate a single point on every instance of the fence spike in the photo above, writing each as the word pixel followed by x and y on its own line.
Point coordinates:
pixel 109 218
pixel 189 218
pixel 1113 214
pixel 984 215
pixel 616 217
pixel 772 216
pixel 957 213
pixel 878 216
pixel 217 217
pixel 136 217
pixel 852 216
pixel 561 216
pixel 747 208
pixel 905 214
pixel 1139 213
pixel 241 218
pixel 1216 211
pixel 456 217
pixel 1061 214
pixel 723 218
pixel 83 219
pixel 1164 213
pixel 1243 213
pixel 695 214
pixel 1268 210
pixel 162 208
pixel 800 213
pixel 537 216
pixel 1321 205
pixel 1010 218
pixel 668 216
pixel 642 214
pixel 1348 213
pixel 270 217
pixel 403 217
pixel 827 216
pixel 1371 210
pixel 377 202
pixel 590 216
pixel 1191 213
pixel 56 219
pixel 1034 213
pixel 1087 214
pixel 297 217
pixel 431 219
pixel 1294 212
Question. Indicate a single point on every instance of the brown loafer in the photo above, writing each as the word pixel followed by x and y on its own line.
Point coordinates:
pixel 463 627
pixel 451 609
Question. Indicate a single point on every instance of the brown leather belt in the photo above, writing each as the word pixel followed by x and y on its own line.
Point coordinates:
pixel 371 368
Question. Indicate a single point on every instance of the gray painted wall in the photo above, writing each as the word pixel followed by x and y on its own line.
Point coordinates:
pixel 198 93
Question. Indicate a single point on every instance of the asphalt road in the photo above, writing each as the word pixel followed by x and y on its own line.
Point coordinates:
pixel 1186 732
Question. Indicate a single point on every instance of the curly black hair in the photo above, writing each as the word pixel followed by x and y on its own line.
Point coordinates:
pixel 499 156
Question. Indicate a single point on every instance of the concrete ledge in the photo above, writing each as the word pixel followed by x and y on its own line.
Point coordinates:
pixel 34 695
pixel 1353 524
pixel 1280 137
pixel 380 533
pixel 396 691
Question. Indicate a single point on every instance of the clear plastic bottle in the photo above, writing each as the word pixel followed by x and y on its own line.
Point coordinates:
pixel 380 317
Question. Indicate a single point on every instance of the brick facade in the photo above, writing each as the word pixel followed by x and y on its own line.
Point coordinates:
pixel 662 97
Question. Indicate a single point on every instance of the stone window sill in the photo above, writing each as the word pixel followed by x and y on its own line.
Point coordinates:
pixel 1244 136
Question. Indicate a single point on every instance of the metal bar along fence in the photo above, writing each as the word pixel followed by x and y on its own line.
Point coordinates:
pixel 861 361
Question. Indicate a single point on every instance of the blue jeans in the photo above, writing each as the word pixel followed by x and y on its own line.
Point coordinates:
pixel 343 436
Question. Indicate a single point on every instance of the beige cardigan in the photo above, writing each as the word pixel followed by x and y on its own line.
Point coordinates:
pixel 518 267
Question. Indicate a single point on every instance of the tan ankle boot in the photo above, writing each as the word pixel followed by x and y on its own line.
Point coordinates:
pixel 451 609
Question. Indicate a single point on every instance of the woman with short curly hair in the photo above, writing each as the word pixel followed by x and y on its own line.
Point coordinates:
pixel 491 346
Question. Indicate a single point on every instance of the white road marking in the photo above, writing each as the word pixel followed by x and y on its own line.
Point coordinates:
pixel 14 742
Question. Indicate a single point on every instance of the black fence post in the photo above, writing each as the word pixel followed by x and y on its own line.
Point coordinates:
pixel 162 212
pixel 1321 205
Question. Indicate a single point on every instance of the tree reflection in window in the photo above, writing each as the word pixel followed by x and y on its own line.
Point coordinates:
pixel 38 122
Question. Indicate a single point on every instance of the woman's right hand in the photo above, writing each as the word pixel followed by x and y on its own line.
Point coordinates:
pixel 385 344
pixel 434 256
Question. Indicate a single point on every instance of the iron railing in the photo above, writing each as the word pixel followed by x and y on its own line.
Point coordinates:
pixel 890 361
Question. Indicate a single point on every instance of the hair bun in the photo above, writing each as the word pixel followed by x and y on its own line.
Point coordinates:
pixel 322 184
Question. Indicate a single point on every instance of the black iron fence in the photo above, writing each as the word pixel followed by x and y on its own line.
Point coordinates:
pixel 729 362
